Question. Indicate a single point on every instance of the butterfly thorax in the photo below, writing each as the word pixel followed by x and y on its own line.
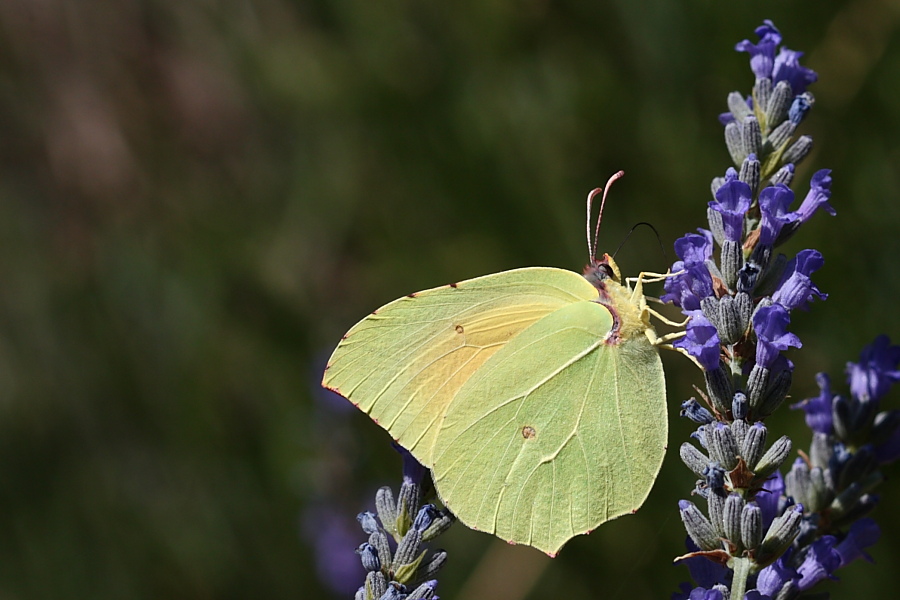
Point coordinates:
pixel 629 310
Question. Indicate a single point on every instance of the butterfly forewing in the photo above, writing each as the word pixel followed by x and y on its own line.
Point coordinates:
pixel 405 363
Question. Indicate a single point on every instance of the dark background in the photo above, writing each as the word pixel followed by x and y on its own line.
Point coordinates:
pixel 198 198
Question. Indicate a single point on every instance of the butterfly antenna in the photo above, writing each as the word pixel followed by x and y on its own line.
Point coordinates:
pixel 592 246
pixel 658 239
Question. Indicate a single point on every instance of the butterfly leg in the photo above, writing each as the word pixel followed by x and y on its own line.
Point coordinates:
pixel 681 351
pixel 650 277
pixel 665 320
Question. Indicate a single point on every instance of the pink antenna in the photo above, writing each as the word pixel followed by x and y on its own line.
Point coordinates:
pixel 592 247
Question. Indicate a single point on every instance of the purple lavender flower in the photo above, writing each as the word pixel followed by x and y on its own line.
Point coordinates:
pixel 770 324
pixel 773 578
pixel 762 55
pixel 818 409
pixel 694 283
pixel 701 341
pixel 732 202
pixel 796 289
pixel 818 196
pixel 688 288
pixel 787 68
pixel 769 498
pixel 862 534
pixel 774 202
pixel 819 563
pixel 694 248
pixel 876 371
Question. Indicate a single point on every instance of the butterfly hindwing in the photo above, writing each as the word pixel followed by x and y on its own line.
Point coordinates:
pixel 557 432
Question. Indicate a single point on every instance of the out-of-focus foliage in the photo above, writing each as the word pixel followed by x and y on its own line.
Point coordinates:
pixel 198 198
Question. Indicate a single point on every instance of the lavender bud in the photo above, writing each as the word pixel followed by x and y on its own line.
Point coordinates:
pixel 698 526
pixel 739 405
pixel 739 429
pixel 376 584
pixel 747 277
pixel 737 105
pixel 710 308
pixel 387 509
pixel 762 91
pixel 781 533
pixel 776 392
pixel 695 460
pixel 379 541
pixel 729 328
pixel 424 591
pixel 774 456
pixel 715 477
pixel 692 410
pixel 756 385
pixel 750 173
pixel 751 138
pixel 734 142
pixel 800 106
pixel 395 591
pixel 369 557
pixel 731 518
pixel 432 566
pixel 754 444
pixel 408 548
pixel 407 504
pixel 367 522
pixel 716 505
pixel 441 524
pixel 722 446
pixel 784 175
pixel 820 495
pixel 797 483
pixel 716 225
pixel 781 135
pixel 820 450
pixel 732 259
pixel 426 516
pixel 779 103
pixel 751 526
pixel 798 150
pixel 718 386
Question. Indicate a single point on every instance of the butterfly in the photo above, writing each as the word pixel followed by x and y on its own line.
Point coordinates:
pixel 536 396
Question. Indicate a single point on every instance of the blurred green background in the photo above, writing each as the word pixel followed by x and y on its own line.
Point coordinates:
pixel 198 198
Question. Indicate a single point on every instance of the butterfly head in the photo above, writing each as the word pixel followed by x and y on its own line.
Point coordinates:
pixel 599 271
